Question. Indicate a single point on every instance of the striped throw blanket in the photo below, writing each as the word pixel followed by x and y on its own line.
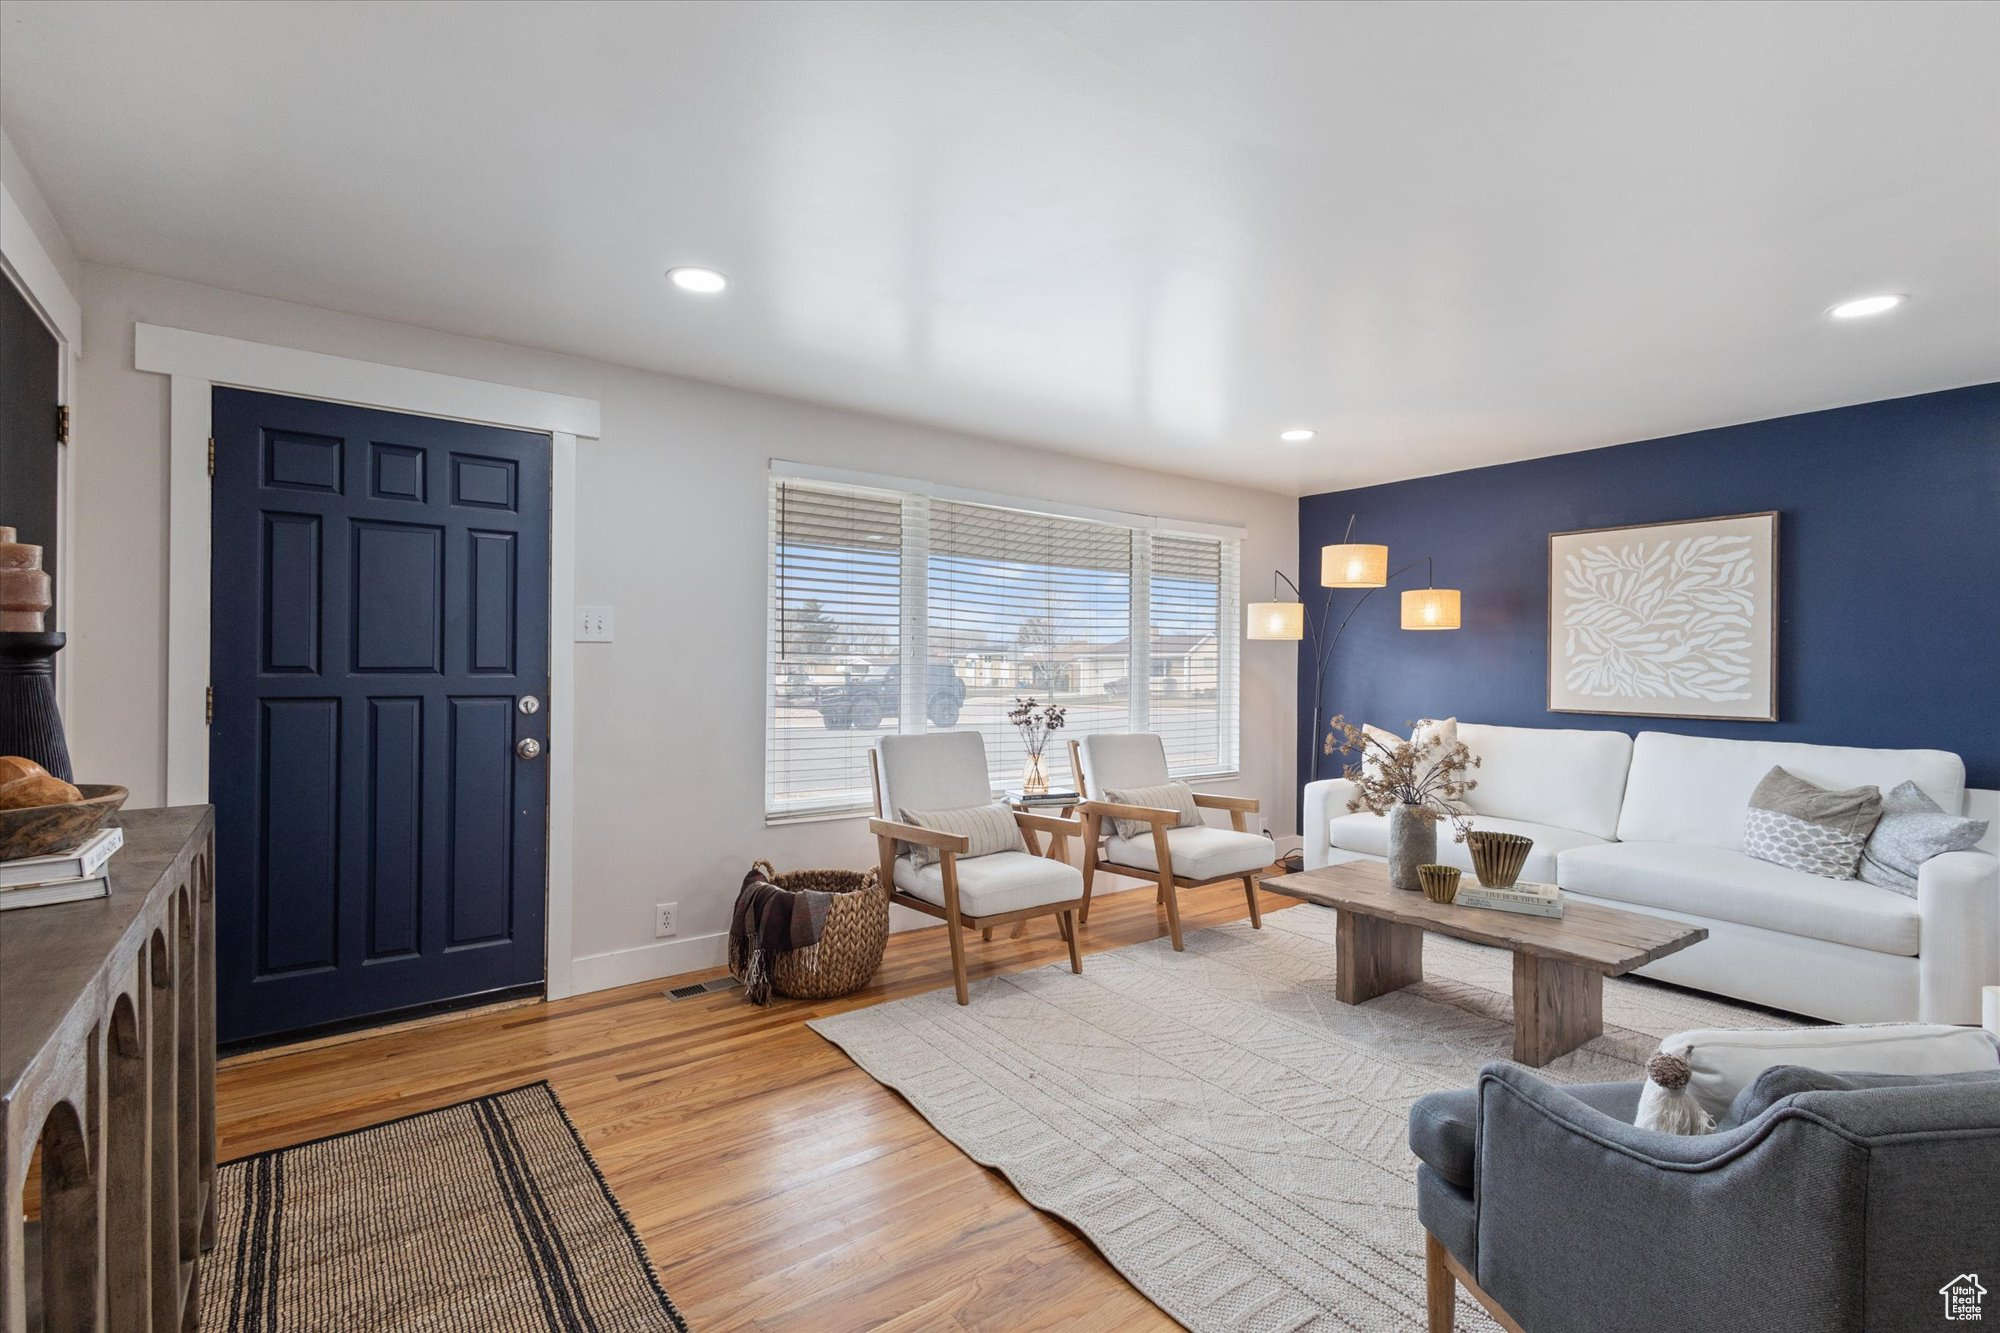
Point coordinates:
pixel 769 921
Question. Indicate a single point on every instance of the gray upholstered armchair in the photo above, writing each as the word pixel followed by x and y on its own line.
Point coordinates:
pixel 1821 1203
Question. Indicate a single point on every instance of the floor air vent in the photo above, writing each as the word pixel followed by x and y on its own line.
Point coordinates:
pixel 708 987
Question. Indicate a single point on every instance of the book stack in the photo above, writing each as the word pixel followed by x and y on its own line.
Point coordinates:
pixel 37 881
pixel 1016 797
pixel 1531 899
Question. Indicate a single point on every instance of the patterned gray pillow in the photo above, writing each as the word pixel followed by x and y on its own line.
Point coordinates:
pixel 989 829
pixel 1802 826
pixel 1175 796
pixel 1913 830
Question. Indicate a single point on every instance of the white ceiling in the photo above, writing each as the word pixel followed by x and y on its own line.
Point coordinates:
pixel 1442 234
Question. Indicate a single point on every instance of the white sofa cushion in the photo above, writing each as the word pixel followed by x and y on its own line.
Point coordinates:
pixel 1723 885
pixel 1694 789
pixel 1564 778
pixel 1723 1062
pixel 1197 853
pixel 1368 833
pixel 987 885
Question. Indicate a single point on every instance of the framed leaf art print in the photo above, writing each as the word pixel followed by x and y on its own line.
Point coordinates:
pixel 1666 619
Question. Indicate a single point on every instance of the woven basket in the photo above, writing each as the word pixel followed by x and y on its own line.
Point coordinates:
pixel 849 949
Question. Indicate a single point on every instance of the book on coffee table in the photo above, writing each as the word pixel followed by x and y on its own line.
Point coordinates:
pixel 1529 899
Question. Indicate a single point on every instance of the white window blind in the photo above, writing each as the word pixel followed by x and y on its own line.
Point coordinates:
pixel 835 617
pixel 1032 605
pixel 1191 612
pixel 894 611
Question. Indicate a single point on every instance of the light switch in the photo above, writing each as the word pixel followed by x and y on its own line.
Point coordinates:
pixel 593 624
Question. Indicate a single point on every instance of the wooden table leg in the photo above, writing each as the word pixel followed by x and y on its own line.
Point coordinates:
pixel 1557 1008
pixel 1373 957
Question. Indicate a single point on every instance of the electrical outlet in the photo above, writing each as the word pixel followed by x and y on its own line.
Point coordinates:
pixel 593 624
pixel 665 922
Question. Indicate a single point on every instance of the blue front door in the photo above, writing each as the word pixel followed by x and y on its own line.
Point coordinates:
pixel 379 650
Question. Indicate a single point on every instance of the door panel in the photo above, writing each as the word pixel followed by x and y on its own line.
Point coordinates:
pixel 379 606
pixel 297 895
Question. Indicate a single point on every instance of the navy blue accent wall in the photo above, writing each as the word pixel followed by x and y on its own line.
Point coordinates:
pixel 1888 569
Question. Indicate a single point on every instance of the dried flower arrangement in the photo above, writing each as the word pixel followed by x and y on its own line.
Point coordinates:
pixel 1428 781
pixel 1036 723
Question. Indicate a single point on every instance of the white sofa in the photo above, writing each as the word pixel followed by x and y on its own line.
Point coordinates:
pixel 1656 825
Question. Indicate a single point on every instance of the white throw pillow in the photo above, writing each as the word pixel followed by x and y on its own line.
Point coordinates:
pixel 1722 1062
pixel 988 828
pixel 1370 757
pixel 1433 737
pixel 1175 796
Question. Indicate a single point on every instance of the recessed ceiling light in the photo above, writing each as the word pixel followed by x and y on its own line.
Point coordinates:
pixel 704 280
pixel 1296 436
pixel 1866 306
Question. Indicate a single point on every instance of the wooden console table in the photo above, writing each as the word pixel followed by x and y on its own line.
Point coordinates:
pixel 107 1063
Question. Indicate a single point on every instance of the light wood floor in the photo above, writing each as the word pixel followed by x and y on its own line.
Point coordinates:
pixel 775 1184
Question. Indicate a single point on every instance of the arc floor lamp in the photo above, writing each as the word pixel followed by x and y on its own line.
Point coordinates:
pixel 1347 564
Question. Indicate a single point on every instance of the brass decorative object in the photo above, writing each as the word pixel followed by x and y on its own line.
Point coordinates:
pixel 1440 882
pixel 1497 858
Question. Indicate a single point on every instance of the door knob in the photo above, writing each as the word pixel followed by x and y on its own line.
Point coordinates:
pixel 529 748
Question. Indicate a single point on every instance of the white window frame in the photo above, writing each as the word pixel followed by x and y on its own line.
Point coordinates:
pixel 913 641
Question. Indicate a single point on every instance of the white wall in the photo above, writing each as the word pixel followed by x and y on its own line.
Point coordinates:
pixel 26 195
pixel 670 717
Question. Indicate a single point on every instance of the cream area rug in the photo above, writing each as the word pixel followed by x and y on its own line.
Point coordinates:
pixel 1229 1135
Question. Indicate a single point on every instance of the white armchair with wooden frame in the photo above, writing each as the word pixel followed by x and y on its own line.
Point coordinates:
pixel 942 776
pixel 1159 847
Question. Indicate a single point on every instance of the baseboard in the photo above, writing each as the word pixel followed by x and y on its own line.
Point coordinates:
pixel 648 962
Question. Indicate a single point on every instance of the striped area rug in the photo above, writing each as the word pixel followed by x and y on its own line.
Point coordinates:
pixel 488 1217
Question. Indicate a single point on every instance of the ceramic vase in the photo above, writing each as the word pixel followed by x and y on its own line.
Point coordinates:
pixel 1413 842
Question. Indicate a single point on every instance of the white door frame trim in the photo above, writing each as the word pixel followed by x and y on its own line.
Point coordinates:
pixel 26 263
pixel 195 363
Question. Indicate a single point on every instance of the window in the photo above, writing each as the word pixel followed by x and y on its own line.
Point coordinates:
pixel 896 611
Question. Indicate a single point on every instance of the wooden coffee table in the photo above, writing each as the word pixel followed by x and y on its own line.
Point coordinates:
pixel 1560 963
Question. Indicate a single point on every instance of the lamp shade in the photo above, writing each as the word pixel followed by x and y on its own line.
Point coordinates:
pixel 1275 620
pixel 1430 608
pixel 1352 565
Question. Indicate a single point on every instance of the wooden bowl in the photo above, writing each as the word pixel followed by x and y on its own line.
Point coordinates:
pixel 45 830
pixel 1498 858
pixel 1440 882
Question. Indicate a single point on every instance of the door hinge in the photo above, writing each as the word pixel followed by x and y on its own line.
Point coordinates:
pixel 62 423
pixel 210 715
pixel 211 455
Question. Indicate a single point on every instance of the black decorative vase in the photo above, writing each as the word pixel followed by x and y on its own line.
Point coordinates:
pixel 30 726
